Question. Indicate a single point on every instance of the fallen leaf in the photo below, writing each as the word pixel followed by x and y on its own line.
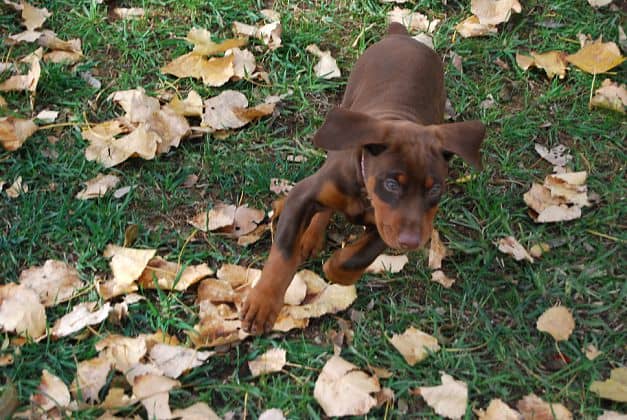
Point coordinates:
pixel 228 110
pixel 612 415
pixel 111 152
pixel 21 310
pixel 597 57
pixel 413 21
pixel 123 352
pixel 614 388
pixel 214 71
pixel 493 12
pixel 557 155
pixel 50 40
pixel 449 399
pixel 558 322
pixel 91 377
pixel 51 392
pixel 203 45
pixel 117 399
pixel 138 106
pixel 169 126
pixel 343 390
pixel 47 116
pixel 599 3
pixel 414 345
pixel 220 216
pixel 280 186
pixel 552 62
pixel 437 251
pixel 592 352
pixel 15 131
pixel 438 276
pixel 326 67
pixel 271 361
pixel 471 27
pixel 173 360
pixel 533 407
pixel 498 410
pixel 62 57
pixel 17 188
pixel 54 282
pixel 80 317
pixel 28 81
pixel 537 250
pixel 129 12
pixel 3 104
pixel 198 411
pixel 189 107
pixel 425 39
pixel 33 17
pixel 487 103
pixel 560 198
pixel 269 34
pixel 98 186
pixel 509 245
pixel 167 275
pixel 270 15
pixel 246 220
pixel 387 263
pixel 153 392
pixel 236 275
pixel 296 291
pixel 127 264
pixel 332 299
pixel 27 36
pixel 611 96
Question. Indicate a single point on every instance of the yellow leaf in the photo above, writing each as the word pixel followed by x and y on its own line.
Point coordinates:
pixel 415 345
pixel 558 322
pixel 614 388
pixel 15 131
pixel 597 57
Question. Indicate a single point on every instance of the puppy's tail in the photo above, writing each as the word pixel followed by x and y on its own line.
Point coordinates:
pixel 397 29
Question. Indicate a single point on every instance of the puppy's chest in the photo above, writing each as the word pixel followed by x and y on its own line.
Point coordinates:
pixel 359 211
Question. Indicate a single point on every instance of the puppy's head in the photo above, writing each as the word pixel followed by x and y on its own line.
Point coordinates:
pixel 404 165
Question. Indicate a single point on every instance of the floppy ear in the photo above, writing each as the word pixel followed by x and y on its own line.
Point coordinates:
pixel 463 139
pixel 344 129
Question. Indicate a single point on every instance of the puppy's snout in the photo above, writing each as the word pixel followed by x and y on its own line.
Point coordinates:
pixel 409 239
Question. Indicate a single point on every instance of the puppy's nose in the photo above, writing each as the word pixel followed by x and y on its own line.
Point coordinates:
pixel 409 239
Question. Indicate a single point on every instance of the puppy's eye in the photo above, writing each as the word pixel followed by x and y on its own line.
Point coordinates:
pixel 435 192
pixel 392 185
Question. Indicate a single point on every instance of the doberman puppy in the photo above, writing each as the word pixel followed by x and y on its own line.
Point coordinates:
pixel 386 167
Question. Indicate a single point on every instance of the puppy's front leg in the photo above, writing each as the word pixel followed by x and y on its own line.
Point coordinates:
pixel 265 300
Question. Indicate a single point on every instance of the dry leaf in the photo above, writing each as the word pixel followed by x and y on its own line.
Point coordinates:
pixel 524 61
pixel 557 155
pixel 127 265
pixel 270 15
pixel 167 275
pixel 246 220
pixel 138 106
pixel 15 131
pixel 537 250
pixel 220 216
pixel 424 39
pixel 560 198
pixel 387 263
pixel 438 276
pixel 269 34
pixel 117 399
pixel 91 377
pixel 62 57
pixel 111 152
pixel 597 57
pixel 215 71
pixel 614 388
pixel 3 104
pixel 509 245
pixel 29 80
pixel 599 3
pixel 610 95
pixel 413 21
pixel 271 361
pixel 533 407
pixel 327 66
pixel 27 36
pixel 332 299
pixel 21 311
pixel 51 393
pixel 17 188
pixel 189 107
pixel 198 411
pixel 229 110
pixel 98 186
pixel 81 316
pixel 414 345
pixel 493 12
pixel 280 186
pixel 592 352
pixel 49 40
pixel 129 12
pixel 153 392
pixel 6 360
pixel 169 126
pixel 552 62
pixel 449 399
pixel 296 291
pixel 612 415
pixel 470 27
pixel 203 45
pixel 47 116
pixel 173 360
pixel 33 17
pixel 236 275
pixel 54 282
pixel 343 390
pixel 437 251
pixel 498 410
pixel 558 322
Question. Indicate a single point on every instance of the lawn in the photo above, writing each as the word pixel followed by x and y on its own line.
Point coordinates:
pixel 485 323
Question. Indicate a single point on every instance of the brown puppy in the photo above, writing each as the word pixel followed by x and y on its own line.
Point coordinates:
pixel 386 169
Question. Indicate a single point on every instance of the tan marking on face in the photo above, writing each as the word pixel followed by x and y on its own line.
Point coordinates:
pixel 386 219
pixel 427 225
pixel 429 182
pixel 402 179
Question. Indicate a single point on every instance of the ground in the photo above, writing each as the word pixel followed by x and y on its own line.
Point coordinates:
pixel 485 322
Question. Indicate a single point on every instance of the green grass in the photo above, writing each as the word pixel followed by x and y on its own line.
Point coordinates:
pixel 486 322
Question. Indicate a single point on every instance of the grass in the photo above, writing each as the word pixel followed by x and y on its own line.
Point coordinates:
pixel 486 322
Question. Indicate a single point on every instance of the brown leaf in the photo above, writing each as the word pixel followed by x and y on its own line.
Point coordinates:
pixel 169 126
pixel 98 186
pixel 413 21
pixel 509 245
pixel 597 57
pixel 246 220
pixel 498 410
pixel 80 317
pixel 62 57
pixel 327 67
pixel 244 63
pixel 167 275
pixel 612 415
pixel 437 251
pixel 173 360
pixel 280 186
pixel 49 40
pixel 552 62
pixel 189 107
pixel 611 96
pixel 269 34
pixel 332 299
pixel 127 265
pixel 153 392
pixel 15 131
pixel 296 291
pixel 51 393
pixel 21 311
pixel 17 188
pixel 558 322
pixel 449 399
pixel 123 352
pixel 111 152
pixel 271 361
pixel 91 377
pixel 138 106
pixel 592 352
pixel 614 388
pixel 414 345
pixel 438 276
pixel 203 45
pixel 533 407
pixel 560 198
pixel 27 36
pixel 129 12
pixel 198 411
pixel 387 263
pixel 343 390
pixel 471 27
pixel 54 282
pixel 29 80
pixel 493 12
pixel 557 155
pixel 213 71
pixel 236 275
pixel 33 17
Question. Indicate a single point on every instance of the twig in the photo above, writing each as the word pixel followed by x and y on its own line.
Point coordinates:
pixel 605 236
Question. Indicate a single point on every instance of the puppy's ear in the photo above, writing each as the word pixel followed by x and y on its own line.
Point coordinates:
pixel 344 129
pixel 463 139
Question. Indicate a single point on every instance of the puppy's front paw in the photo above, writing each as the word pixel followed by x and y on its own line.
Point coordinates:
pixel 260 310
